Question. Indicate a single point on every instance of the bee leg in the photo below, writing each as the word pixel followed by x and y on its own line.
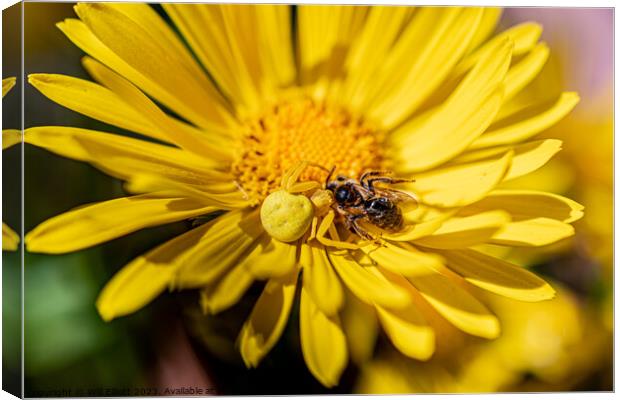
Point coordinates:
pixel 385 179
pixel 354 227
pixel 329 175
pixel 376 247
pixel 348 223
pixel 367 174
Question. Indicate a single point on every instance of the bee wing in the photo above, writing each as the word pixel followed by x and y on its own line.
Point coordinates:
pixel 404 199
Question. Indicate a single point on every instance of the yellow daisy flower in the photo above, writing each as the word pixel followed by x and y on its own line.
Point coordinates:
pixel 10 137
pixel 273 97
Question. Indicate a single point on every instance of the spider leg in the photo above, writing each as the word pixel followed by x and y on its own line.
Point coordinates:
pixel 324 227
pixel 295 187
pixel 299 187
pixel 291 176
pixel 312 235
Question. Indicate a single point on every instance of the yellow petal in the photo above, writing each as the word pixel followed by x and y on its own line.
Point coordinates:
pixel 122 156
pixel 324 31
pixel 184 136
pixel 148 19
pixel 527 123
pixel 159 31
pixel 83 38
pixel 415 229
pixel 380 30
pixel 361 327
pixel 92 100
pixel 486 75
pixel 405 260
pixel 481 88
pixel 457 305
pixel 368 283
pixel 7 84
pixel 320 279
pixel 528 157
pixel 447 336
pixel 267 321
pixel 408 331
pixel 229 40
pixel 487 25
pixel 426 52
pixel 154 50
pixel 272 258
pixel 227 291
pixel 483 77
pixel 458 122
pixel 221 196
pixel 498 276
pixel 323 344
pixel 274 27
pixel 204 28
pixel 144 278
pixel 524 36
pixel 533 232
pixel 528 204
pixel 459 233
pixel 557 176
pixel 462 184
pixel 10 239
pixel 10 137
pixel 90 225
pixel 149 63
pixel 525 70
pixel 231 238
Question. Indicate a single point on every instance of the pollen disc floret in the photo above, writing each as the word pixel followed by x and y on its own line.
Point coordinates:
pixel 301 128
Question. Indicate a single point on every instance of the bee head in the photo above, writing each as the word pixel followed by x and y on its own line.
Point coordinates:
pixel 339 181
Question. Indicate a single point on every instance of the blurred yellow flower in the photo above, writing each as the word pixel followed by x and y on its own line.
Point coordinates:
pixel 556 343
pixel 10 137
pixel 420 92
pixel 588 161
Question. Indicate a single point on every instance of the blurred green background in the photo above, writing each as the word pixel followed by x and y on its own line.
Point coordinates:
pixel 68 346
pixel 11 207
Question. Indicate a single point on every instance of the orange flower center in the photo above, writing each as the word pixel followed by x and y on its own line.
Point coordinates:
pixel 304 129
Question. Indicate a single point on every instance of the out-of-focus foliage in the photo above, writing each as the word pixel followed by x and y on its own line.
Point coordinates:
pixel 11 206
pixel 66 343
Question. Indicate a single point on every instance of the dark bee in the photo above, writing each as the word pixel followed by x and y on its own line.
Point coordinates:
pixel 361 200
